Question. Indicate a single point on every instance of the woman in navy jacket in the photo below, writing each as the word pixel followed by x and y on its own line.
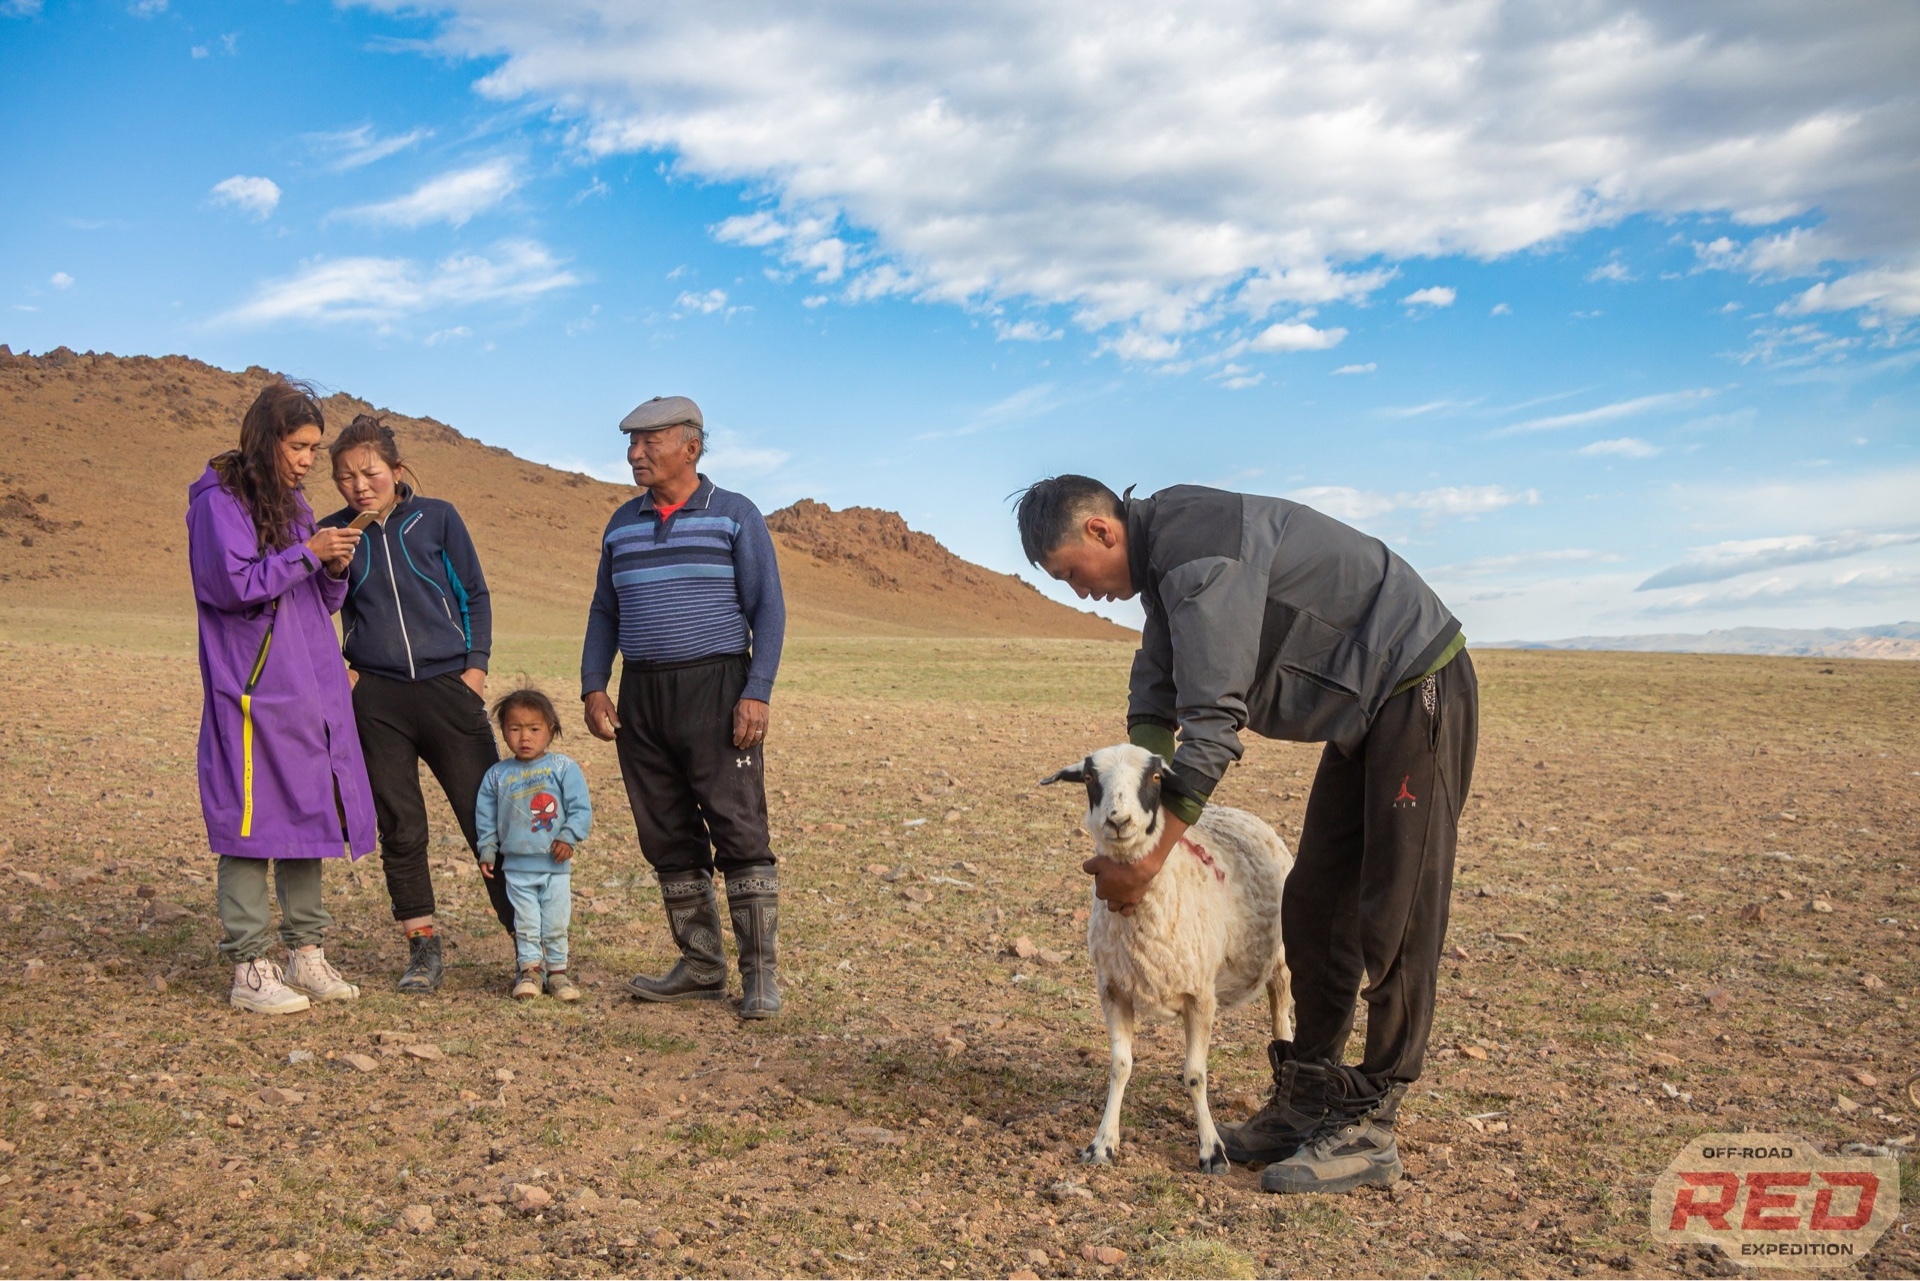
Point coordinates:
pixel 418 624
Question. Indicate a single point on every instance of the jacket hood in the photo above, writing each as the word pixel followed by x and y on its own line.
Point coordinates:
pixel 209 479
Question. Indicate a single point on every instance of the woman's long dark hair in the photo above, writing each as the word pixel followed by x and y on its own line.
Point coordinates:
pixel 251 473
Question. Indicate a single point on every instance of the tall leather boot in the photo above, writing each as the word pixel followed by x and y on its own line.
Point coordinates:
pixel 694 917
pixel 753 901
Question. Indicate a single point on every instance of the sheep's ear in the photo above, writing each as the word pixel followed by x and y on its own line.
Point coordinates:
pixel 1074 773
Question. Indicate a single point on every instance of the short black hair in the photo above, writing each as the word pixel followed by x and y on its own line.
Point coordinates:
pixel 1050 511
pixel 527 700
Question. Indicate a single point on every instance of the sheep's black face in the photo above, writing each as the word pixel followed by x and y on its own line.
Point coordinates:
pixel 1095 790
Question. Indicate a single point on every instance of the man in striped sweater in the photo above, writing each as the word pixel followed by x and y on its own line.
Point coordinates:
pixel 689 593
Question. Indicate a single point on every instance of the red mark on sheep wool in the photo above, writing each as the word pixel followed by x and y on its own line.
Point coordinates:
pixel 1219 873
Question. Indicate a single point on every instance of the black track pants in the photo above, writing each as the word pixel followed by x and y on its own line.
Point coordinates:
pixel 1369 894
pixel 698 801
pixel 444 723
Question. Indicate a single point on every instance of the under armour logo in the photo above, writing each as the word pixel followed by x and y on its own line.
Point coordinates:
pixel 741 762
pixel 1406 800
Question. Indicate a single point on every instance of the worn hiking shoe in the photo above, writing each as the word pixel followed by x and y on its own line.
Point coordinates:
pixel 1347 1152
pixel 309 971
pixel 259 988
pixel 694 917
pixel 1292 1114
pixel 561 987
pixel 527 986
pixel 425 966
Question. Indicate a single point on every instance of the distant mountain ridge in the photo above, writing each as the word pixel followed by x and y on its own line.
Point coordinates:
pixel 101 448
pixel 1888 640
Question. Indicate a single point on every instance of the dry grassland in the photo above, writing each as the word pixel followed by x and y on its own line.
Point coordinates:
pixel 917 1109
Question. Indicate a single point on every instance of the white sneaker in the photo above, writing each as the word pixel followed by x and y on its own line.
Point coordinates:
pixel 257 986
pixel 312 973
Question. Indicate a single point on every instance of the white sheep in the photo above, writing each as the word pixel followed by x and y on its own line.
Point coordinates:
pixel 1205 937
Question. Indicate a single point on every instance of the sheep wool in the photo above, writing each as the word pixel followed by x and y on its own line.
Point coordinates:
pixel 1206 937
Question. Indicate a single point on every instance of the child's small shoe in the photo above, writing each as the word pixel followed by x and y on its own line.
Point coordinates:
pixel 309 971
pixel 528 985
pixel 561 987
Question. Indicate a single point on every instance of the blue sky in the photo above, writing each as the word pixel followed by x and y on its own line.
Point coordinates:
pixel 1605 319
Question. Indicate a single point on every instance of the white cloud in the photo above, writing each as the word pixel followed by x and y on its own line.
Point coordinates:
pixel 382 290
pixel 60 280
pixel 1161 168
pixel 1878 498
pixel 1607 413
pixel 256 196
pixel 1367 368
pixel 1293 336
pixel 447 335
pixel 20 8
pixel 1448 500
pixel 728 455
pixel 704 304
pixel 1501 309
pixel 1893 585
pixel 1623 447
pixel 362 146
pixel 1612 271
pixel 1892 291
pixel 454 198
pixel 1025 331
pixel 147 8
pixel 1752 555
pixel 1432 296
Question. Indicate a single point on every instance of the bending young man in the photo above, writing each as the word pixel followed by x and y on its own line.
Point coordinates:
pixel 1265 614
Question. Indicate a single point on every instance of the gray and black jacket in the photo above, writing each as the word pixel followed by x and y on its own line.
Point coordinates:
pixel 1265 613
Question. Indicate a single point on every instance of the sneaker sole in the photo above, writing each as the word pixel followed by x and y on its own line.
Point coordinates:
pixel 347 993
pixel 1384 1176
pixel 254 1007
pixel 717 994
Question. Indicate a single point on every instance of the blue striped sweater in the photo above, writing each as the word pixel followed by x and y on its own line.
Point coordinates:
pixel 700 584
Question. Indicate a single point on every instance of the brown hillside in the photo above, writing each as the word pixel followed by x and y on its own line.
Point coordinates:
pixel 101 449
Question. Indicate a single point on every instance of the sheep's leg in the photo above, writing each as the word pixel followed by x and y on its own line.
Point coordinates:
pixel 1106 1140
pixel 1197 1016
pixel 1280 1002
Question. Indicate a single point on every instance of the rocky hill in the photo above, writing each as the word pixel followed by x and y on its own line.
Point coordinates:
pixel 101 449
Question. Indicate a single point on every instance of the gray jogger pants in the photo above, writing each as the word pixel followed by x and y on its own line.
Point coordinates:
pixel 247 914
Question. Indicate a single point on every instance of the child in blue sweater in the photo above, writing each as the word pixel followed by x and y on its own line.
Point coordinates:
pixel 532 810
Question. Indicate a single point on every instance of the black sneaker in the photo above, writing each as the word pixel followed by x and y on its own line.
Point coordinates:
pixel 1345 1153
pixel 1276 1131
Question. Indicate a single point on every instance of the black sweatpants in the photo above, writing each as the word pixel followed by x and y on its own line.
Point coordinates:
pixel 1369 893
pixel 698 801
pixel 444 723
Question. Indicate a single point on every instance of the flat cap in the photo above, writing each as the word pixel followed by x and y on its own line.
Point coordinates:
pixel 663 411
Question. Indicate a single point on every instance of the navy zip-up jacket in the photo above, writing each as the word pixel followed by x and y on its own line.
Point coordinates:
pixel 417 604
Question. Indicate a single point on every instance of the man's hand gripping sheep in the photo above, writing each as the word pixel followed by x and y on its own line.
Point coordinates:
pixel 1206 936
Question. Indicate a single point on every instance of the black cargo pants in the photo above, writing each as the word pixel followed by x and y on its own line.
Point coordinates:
pixel 698 801
pixel 443 722
pixel 1369 893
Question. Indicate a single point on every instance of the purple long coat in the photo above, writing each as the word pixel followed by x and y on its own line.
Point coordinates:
pixel 271 760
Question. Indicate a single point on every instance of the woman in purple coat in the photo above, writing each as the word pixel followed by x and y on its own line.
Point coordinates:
pixel 281 776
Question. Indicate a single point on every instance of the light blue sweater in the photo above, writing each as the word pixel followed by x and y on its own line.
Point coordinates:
pixel 525 806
